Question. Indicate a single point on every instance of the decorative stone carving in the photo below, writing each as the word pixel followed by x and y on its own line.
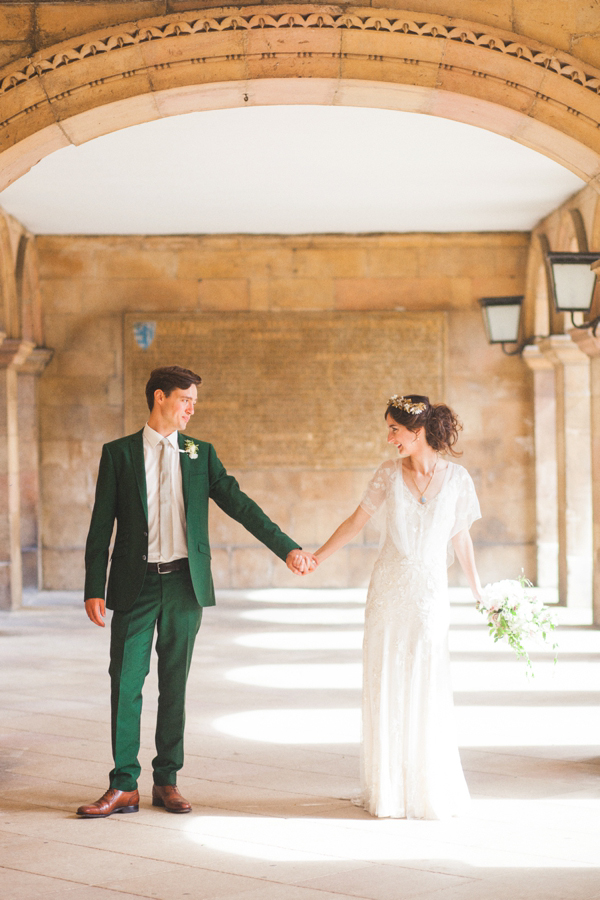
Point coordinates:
pixel 556 62
pixel 402 24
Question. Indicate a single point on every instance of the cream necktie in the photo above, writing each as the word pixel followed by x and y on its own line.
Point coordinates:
pixel 164 497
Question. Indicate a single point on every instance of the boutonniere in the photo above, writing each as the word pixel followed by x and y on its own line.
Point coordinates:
pixel 190 448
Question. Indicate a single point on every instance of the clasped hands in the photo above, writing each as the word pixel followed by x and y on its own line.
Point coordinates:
pixel 300 562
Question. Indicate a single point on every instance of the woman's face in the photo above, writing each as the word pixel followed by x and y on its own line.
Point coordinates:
pixel 406 441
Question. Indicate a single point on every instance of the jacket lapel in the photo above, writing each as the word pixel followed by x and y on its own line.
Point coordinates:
pixel 139 467
pixel 184 462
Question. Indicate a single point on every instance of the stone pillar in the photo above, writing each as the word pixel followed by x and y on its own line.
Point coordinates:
pixel 13 354
pixel 590 345
pixel 573 453
pixel 29 465
pixel 546 469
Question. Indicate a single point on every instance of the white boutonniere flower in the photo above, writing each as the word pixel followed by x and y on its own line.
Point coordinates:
pixel 190 448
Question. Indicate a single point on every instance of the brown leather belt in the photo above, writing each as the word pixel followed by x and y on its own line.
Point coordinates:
pixel 176 565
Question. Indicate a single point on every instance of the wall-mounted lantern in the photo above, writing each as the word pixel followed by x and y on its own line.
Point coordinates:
pixel 573 283
pixel 502 319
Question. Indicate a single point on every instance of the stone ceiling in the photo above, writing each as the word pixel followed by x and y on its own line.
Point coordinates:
pixel 291 169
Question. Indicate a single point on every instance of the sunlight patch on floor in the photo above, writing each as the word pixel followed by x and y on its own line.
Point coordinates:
pixel 303 595
pixel 303 640
pixel 293 726
pixel 301 676
pixel 394 840
pixel 477 726
pixel 311 616
pixel 504 675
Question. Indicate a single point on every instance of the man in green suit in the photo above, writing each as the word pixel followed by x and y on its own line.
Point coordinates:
pixel 157 485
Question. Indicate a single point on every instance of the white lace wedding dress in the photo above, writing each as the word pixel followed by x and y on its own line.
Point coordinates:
pixel 410 766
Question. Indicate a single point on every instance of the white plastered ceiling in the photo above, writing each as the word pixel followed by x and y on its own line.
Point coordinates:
pixel 291 170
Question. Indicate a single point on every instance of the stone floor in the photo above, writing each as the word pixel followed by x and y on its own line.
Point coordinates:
pixel 272 757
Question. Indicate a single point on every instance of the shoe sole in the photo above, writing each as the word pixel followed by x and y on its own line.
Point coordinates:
pixel 160 804
pixel 123 809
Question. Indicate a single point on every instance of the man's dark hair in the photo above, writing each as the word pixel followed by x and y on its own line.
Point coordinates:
pixel 166 379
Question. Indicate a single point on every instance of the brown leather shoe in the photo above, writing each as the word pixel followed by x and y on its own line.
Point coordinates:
pixel 113 801
pixel 168 795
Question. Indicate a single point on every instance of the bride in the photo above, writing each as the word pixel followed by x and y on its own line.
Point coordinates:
pixel 410 766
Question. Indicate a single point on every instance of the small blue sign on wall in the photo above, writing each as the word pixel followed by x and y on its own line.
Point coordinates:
pixel 144 333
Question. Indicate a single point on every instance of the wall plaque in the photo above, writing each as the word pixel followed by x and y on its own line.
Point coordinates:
pixel 299 389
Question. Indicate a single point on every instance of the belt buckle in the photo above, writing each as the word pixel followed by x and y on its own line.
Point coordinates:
pixel 160 572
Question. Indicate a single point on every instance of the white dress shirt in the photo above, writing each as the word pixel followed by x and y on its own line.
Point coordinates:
pixel 152 451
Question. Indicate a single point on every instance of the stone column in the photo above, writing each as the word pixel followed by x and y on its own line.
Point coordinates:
pixel 546 469
pixel 13 354
pixel 590 345
pixel 29 465
pixel 573 453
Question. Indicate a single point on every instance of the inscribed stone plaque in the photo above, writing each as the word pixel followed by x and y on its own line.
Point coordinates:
pixel 304 389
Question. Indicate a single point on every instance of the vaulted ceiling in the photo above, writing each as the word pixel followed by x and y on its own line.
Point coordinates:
pixel 289 170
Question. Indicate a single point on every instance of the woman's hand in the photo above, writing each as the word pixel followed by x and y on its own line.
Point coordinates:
pixel 300 562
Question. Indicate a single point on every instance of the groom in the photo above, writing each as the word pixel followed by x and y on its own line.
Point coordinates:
pixel 157 485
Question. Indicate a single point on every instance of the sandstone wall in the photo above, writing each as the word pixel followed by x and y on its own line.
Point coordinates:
pixel 89 283
pixel 19 514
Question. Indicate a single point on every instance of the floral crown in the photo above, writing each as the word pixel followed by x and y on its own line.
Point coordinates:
pixel 407 405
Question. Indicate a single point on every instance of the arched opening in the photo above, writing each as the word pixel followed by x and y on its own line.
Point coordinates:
pixel 135 72
pixel 126 75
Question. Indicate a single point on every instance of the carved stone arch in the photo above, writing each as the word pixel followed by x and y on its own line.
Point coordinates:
pixel 28 291
pixel 572 236
pixel 595 230
pixel 9 310
pixel 539 316
pixel 278 53
pixel 580 239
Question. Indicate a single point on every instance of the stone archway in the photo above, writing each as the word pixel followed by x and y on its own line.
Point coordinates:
pixel 131 73
pixel 122 75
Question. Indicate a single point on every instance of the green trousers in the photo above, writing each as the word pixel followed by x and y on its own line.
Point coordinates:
pixel 167 605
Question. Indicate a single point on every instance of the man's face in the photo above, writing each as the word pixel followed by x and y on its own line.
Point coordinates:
pixel 176 409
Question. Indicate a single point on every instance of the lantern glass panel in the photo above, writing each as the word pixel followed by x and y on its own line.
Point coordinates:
pixel 503 322
pixel 573 287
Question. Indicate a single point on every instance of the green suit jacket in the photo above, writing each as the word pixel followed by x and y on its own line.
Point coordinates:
pixel 121 495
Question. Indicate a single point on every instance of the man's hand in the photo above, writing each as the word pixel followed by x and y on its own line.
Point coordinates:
pixel 300 562
pixel 94 607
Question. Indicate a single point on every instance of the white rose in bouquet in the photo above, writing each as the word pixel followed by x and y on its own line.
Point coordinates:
pixel 514 616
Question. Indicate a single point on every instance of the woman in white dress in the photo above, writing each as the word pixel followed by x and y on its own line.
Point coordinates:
pixel 410 765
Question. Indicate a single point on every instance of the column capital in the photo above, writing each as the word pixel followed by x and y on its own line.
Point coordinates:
pixel 586 340
pixel 37 361
pixel 535 359
pixel 560 350
pixel 14 353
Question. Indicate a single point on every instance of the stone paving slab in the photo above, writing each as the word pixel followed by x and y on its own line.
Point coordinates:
pixel 272 817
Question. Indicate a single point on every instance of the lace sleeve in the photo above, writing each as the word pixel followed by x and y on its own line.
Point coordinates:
pixel 376 490
pixel 467 504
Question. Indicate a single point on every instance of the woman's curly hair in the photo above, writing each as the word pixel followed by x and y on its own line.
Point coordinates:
pixel 441 424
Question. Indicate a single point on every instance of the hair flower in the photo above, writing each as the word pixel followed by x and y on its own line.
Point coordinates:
pixel 403 403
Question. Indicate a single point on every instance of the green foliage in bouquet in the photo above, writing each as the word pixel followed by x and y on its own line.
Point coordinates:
pixel 515 616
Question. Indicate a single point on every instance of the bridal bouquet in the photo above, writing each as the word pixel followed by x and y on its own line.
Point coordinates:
pixel 516 616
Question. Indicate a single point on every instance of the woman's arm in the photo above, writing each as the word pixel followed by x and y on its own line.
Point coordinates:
pixel 463 547
pixel 346 531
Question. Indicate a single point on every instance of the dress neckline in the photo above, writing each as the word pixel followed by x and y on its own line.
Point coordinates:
pixel 429 499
